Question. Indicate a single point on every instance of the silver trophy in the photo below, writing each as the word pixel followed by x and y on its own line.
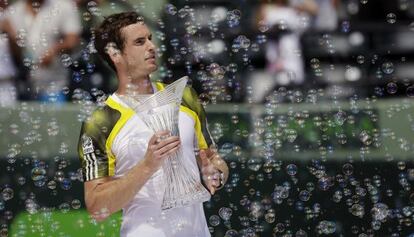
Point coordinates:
pixel 160 112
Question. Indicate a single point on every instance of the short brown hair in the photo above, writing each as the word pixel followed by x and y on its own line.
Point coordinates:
pixel 110 32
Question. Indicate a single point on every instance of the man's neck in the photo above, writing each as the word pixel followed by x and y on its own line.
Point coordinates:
pixel 136 85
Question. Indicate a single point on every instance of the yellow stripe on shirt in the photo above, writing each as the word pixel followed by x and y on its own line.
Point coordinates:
pixel 126 114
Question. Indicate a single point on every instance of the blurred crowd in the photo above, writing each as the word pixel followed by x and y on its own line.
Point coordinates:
pixel 39 39
pixel 42 40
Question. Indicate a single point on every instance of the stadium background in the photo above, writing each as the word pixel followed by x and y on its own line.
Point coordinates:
pixel 331 155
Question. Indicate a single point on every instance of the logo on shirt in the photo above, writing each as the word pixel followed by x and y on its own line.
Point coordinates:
pixel 87 145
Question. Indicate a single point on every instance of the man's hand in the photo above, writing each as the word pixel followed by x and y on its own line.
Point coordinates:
pixel 212 177
pixel 160 146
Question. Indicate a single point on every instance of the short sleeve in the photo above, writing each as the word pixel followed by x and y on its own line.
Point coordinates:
pixel 203 136
pixel 92 152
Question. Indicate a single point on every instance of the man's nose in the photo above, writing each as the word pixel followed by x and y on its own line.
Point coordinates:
pixel 151 45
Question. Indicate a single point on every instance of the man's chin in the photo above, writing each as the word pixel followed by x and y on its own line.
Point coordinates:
pixel 153 68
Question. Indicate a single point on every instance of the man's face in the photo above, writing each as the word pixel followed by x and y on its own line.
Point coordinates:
pixel 139 51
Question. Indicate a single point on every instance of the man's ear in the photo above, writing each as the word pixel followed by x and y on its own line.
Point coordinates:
pixel 114 53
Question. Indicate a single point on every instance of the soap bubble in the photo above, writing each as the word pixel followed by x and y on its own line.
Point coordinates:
pixel 391 18
pixel 7 193
pixel 387 67
pixel 225 213
pixel 380 211
pixel 214 220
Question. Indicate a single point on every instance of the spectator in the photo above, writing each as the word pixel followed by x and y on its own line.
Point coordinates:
pixel 327 17
pixel 46 29
pixel 284 54
pixel 8 57
pixel 283 50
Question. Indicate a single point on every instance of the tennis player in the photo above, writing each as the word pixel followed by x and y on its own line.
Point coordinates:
pixel 121 158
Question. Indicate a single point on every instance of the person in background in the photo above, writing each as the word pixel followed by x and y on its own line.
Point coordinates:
pixel 46 31
pixel 9 57
pixel 327 17
pixel 286 20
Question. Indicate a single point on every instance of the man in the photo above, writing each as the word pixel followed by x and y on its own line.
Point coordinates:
pixel 121 157
pixel 46 29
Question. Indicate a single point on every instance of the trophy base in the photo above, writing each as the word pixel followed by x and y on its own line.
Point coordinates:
pixel 202 195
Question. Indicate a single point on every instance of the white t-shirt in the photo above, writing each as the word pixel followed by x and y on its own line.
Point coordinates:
pixel 114 139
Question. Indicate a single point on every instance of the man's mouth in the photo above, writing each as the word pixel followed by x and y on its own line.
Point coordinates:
pixel 150 57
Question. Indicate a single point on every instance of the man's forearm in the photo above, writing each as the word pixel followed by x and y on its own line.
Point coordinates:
pixel 110 197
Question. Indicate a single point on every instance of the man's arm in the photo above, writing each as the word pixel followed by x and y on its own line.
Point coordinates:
pixel 107 195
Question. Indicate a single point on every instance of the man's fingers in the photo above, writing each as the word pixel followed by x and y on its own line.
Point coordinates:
pixel 212 190
pixel 203 157
pixel 168 147
pixel 170 152
pixel 155 138
pixel 164 142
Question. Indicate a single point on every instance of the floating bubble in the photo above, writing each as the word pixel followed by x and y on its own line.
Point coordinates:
pixel 225 213
pixel 263 26
pixel 387 67
pixel 31 206
pixel 64 207
pixel 256 210
pixel 347 169
pixel 345 26
pixel 291 135
pixel 261 39
pixel 254 163
pixel 76 204
pixel 93 8
pixel 340 117
pixel 315 64
pixel 52 184
pixel 233 18
pixel 170 9
pixel 410 91
pixel 270 216
pixel 86 16
pixel 365 138
pixel 380 211
pixel 360 59
pixel 291 169
pixel 391 18
pixel 392 88
pixel 357 210
pixel 326 227
pixel 216 71
pixel 231 233
pixel 66 60
pixel 66 184
pixel 38 173
pixel 325 183
pixel 7 194
pixel 304 195
pixel 214 220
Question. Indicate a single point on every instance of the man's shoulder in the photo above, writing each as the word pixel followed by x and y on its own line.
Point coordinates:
pixel 103 116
